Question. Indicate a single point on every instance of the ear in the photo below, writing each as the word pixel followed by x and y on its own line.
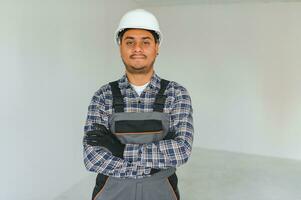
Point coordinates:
pixel 157 48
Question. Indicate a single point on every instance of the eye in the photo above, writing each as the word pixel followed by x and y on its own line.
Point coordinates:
pixel 146 43
pixel 129 43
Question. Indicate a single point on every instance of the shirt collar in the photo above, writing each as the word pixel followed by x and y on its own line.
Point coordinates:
pixel 154 82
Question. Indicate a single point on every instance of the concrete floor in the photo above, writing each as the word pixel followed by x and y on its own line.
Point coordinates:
pixel 220 175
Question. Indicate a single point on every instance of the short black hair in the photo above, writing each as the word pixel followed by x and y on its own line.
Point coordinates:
pixel 154 33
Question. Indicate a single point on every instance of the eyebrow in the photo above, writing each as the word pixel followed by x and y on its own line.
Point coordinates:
pixel 144 38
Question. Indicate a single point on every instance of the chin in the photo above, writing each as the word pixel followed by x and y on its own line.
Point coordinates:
pixel 138 69
pixel 138 66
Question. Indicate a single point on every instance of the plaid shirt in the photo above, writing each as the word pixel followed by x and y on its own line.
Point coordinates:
pixel 140 158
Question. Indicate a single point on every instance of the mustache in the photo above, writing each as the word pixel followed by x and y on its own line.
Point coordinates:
pixel 133 55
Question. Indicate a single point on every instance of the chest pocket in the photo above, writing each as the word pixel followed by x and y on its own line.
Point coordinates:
pixel 140 127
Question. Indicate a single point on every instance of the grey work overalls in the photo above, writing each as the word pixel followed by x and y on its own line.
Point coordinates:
pixel 138 128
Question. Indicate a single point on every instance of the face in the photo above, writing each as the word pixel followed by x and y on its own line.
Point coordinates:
pixel 138 51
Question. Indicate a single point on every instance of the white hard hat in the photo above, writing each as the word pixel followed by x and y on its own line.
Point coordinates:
pixel 140 19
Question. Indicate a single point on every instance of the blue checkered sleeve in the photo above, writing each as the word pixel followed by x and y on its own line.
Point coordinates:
pixel 98 159
pixel 168 153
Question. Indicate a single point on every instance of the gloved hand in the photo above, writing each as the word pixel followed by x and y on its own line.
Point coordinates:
pixel 169 136
pixel 103 137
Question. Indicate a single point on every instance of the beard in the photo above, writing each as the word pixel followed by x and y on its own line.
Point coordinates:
pixel 143 69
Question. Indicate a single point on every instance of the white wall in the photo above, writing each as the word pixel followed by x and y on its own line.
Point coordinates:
pixel 241 64
pixel 53 57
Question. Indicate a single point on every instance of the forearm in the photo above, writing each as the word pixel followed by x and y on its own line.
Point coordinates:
pixel 99 160
pixel 162 154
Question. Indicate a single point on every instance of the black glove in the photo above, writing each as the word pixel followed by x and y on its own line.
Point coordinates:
pixel 103 137
pixel 170 136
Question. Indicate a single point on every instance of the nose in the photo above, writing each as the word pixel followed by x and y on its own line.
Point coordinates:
pixel 138 47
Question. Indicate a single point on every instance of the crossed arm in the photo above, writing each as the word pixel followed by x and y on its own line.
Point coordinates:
pixel 138 157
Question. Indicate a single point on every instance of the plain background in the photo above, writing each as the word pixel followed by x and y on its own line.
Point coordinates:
pixel 239 61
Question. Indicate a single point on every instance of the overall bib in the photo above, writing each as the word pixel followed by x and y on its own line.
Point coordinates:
pixel 138 128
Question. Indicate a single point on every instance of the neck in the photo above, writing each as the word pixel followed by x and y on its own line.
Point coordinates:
pixel 139 79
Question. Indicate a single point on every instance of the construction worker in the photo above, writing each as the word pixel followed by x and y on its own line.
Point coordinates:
pixel 140 127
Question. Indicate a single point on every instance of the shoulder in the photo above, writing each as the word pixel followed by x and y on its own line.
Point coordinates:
pixel 177 90
pixel 103 93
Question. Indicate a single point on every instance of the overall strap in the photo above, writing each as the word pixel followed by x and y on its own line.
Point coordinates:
pixel 118 104
pixel 160 97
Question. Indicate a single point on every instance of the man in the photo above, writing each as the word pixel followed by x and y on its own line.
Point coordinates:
pixel 140 127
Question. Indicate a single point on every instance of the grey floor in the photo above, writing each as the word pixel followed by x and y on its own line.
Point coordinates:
pixel 220 175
